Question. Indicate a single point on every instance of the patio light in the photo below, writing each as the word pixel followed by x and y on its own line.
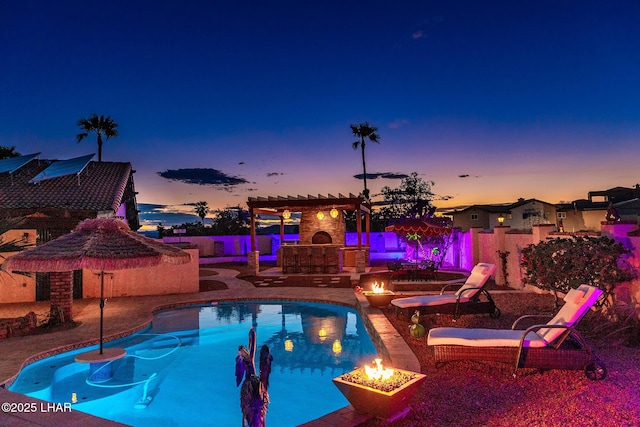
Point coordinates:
pixel 334 213
pixel 337 347
pixel 320 215
pixel 286 214
pixel 322 334
pixel 288 345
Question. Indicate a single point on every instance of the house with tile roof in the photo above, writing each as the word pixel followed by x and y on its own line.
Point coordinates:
pixel 50 197
pixel 54 195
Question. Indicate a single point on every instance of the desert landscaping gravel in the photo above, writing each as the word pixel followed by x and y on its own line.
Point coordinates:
pixel 487 394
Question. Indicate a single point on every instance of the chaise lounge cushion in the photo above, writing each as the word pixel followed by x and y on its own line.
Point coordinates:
pixel 483 337
pixel 477 279
pixel 577 302
pixel 427 300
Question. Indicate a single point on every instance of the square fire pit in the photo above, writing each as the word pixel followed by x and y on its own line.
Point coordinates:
pixel 384 398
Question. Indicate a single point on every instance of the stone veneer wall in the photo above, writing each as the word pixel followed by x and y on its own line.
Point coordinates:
pixel 62 293
pixel 310 225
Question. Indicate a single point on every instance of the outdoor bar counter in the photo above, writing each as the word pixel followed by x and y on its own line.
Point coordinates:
pixel 318 258
pixel 312 259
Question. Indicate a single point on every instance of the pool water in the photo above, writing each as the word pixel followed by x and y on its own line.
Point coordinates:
pixel 181 370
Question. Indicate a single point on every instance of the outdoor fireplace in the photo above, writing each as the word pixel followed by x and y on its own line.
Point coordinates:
pixel 322 241
pixel 315 231
pixel 321 238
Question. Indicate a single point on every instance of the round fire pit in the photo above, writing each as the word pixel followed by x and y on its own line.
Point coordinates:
pixel 379 299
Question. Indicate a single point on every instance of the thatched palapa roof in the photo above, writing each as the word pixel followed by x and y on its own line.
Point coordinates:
pixel 97 244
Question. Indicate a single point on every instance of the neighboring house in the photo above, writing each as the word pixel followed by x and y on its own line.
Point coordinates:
pixel 476 216
pixel 527 213
pixel 53 196
pixel 579 215
pixel 588 214
pixel 521 215
pixel 629 210
pixel 615 195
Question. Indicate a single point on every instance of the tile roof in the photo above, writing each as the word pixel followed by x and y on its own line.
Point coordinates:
pixel 99 187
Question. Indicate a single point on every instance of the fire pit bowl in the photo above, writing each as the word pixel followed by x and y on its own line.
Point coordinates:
pixel 378 296
pixel 382 398
pixel 377 299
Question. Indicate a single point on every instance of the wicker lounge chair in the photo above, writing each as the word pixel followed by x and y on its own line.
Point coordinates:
pixel 471 298
pixel 554 345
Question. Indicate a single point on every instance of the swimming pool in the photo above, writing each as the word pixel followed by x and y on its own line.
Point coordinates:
pixel 181 370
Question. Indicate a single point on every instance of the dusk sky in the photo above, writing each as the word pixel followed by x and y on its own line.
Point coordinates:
pixel 491 100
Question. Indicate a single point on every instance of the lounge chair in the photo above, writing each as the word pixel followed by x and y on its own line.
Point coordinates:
pixel 554 345
pixel 471 298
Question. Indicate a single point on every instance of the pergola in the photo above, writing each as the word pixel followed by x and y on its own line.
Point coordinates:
pixel 283 206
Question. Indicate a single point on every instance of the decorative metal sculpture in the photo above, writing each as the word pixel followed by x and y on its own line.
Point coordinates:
pixel 254 397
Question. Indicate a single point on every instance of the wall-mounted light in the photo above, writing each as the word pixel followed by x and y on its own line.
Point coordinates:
pixel 500 219
pixel 337 347
pixel 334 213
pixel 286 214
pixel 320 215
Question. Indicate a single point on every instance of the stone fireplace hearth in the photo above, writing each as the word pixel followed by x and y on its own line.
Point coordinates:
pixel 324 231
pixel 321 238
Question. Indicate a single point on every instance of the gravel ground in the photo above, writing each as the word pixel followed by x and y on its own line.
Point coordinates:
pixel 486 394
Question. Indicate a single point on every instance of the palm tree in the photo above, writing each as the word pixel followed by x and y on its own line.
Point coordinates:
pixel 100 125
pixel 9 246
pixel 202 210
pixel 364 131
pixel 8 152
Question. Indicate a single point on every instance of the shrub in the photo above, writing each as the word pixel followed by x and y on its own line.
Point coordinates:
pixel 562 264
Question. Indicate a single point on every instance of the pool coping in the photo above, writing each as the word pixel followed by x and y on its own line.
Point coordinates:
pixel 388 342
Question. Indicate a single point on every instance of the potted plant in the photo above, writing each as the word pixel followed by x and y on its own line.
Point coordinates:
pixel 381 392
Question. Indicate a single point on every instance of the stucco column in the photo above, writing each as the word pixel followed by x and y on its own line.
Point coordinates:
pixel 619 229
pixel 540 232
pixel 499 233
pixel 474 233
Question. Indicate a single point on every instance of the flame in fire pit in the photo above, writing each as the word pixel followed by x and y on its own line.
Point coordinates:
pixel 378 372
pixel 377 289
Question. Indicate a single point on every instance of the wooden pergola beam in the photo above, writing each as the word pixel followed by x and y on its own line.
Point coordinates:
pixel 278 204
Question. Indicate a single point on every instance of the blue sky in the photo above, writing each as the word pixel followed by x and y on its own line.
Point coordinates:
pixel 491 100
